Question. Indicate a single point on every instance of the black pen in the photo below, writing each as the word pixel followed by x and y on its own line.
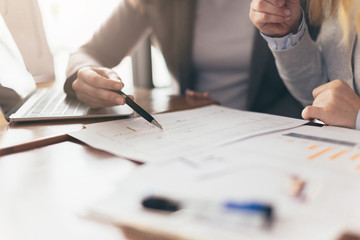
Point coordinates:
pixel 139 109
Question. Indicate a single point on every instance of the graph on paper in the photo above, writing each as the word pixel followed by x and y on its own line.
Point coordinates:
pixel 184 132
pixel 330 149
pixel 337 153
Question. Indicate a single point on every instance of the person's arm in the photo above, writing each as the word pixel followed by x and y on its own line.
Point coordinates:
pixel 335 104
pixel 300 65
pixel 302 68
pixel 113 41
pixel 288 41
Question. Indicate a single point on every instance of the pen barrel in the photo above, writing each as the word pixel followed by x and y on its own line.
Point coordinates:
pixel 232 220
pixel 229 218
pixel 138 109
pixel 229 214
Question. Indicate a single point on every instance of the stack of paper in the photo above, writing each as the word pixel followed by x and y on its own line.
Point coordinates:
pixel 184 132
pixel 309 175
pixel 314 192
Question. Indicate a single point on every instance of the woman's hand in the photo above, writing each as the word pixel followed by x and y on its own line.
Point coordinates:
pixel 193 94
pixel 335 104
pixel 93 87
pixel 276 18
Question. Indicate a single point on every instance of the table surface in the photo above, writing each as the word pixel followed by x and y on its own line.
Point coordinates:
pixel 23 136
pixel 47 179
pixel 43 194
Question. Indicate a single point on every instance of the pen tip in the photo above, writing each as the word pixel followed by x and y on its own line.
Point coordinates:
pixel 155 123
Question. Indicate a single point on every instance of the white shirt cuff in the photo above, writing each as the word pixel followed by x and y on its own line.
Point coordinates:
pixel 357 123
pixel 287 41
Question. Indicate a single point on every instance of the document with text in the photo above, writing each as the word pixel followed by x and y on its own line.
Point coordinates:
pixel 184 132
pixel 310 176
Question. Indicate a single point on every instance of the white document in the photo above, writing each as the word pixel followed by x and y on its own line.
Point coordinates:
pixel 334 150
pixel 315 193
pixel 184 132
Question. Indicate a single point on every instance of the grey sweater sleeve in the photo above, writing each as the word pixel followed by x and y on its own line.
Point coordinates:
pixel 302 68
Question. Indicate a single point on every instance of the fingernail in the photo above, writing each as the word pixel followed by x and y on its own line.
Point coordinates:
pixel 280 3
pixel 287 19
pixel 287 12
pixel 119 101
pixel 117 86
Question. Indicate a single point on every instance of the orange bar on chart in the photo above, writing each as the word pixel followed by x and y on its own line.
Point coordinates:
pixel 319 153
pixel 354 157
pixel 336 155
pixel 312 147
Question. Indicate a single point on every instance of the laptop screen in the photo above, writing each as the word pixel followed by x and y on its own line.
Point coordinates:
pixel 16 83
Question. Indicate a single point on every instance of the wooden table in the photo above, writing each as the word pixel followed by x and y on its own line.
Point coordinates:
pixel 47 179
pixel 23 136
pixel 43 192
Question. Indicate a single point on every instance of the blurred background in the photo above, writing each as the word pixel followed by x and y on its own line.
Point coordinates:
pixel 68 24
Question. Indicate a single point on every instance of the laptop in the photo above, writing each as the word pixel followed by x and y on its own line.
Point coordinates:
pixel 21 101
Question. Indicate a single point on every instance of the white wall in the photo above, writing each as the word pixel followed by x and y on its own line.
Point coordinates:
pixel 25 24
pixel 67 24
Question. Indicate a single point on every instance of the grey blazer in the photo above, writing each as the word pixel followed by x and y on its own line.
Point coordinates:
pixel 171 24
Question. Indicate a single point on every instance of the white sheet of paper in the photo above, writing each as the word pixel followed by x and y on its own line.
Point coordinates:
pixel 334 150
pixel 265 168
pixel 184 132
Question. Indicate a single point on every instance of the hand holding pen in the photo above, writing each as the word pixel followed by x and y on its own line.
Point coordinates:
pixel 94 86
pixel 101 87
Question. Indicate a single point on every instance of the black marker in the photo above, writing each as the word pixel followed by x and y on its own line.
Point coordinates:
pixel 161 204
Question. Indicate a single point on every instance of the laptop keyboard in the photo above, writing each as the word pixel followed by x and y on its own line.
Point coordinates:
pixel 56 104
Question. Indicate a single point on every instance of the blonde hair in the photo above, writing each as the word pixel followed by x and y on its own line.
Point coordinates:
pixel 348 12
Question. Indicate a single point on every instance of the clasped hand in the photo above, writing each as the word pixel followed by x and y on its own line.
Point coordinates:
pixel 276 18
